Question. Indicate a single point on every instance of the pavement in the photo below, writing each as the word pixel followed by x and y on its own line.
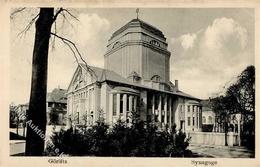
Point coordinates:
pixel 17 147
pixel 222 151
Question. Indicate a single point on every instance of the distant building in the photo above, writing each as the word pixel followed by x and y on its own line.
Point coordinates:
pixel 21 112
pixel 56 107
pixel 212 123
pixel 208 116
pixel 135 78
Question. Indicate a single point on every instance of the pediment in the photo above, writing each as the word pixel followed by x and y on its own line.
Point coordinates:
pixel 80 79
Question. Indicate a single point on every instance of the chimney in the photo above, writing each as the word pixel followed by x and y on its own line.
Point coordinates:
pixel 176 85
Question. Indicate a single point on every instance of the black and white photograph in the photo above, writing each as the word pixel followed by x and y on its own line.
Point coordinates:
pixel 146 82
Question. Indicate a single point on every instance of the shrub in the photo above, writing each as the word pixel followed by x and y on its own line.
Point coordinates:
pixel 121 140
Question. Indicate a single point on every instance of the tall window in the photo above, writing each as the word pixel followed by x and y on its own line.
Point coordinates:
pixel 77 118
pixel 210 120
pixel 149 118
pixel 133 104
pixel 188 108
pixel 193 121
pixel 114 104
pixel 156 97
pixel 180 108
pixel 127 103
pixel 121 103
pixel 204 119
pixel 162 117
pixel 156 118
pixel 168 104
pixel 188 121
pixel 149 102
pixel 162 103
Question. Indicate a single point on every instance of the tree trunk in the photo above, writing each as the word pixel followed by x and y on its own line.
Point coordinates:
pixel 24 126
pixel 37 106
pixel 17 125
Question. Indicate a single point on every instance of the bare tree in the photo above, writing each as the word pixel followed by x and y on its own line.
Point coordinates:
pixel 44 21
pixel 37 105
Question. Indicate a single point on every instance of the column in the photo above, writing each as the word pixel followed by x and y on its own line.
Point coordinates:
pixel 130 103
pixel 118 105
pixel 89 101
pixel 130 107
pixel 198 115
pixel 160 109
pixel 135 102
pixel 153 108
pixel 165 109
pixel 192 115
pixel 111 108
pixel 170 112
pixel 124 106
pixel 195 114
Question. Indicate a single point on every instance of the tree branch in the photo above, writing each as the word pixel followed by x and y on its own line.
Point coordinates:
pixel 16 11
pixel 56 15
pixel 28 26
pixel 69 43
pixel 71 14
pixel 65 18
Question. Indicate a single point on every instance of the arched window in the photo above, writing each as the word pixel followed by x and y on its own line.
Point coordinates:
pixel 204 119
pixel 156 78
pixel 134 76
pixel 116 44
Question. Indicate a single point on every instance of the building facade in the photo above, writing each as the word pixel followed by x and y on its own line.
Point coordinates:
pixel 56 107
pixel 208 116
pixel 135 79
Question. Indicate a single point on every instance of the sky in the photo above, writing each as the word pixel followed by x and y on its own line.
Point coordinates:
pixel 209 47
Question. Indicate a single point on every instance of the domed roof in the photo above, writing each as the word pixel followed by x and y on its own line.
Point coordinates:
pixel 142 24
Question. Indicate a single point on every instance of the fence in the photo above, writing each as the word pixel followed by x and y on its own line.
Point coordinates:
pixel 213 138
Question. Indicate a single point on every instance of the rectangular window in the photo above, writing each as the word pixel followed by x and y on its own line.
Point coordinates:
pixel 188 108
pixel 91 120
pixel 149 101
pixel 138 103
pixel 156 118
pixel 188 121
pixel 193 121
pixel 156 98
pixel 133 104
pixel 77 118
pixel 121 103
pixel 149 118
pixel 180 108
pixel 162 119
pixel 162 103
pixel 114 104
pixel 168 104
pixel 127 103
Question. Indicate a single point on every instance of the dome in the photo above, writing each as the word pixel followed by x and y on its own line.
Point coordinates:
pixel 143 25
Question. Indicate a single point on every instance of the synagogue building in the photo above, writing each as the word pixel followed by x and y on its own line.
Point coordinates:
pixel 135 79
